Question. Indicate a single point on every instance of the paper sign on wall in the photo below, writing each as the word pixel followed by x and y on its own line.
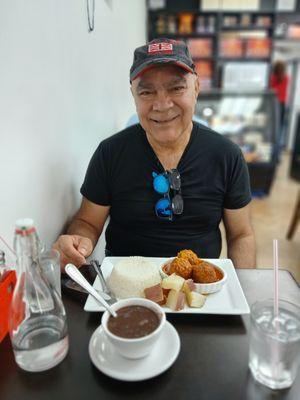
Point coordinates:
pixel 230 5
pixel 286 5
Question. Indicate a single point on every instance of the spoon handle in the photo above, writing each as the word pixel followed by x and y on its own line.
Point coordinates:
pixel 77 276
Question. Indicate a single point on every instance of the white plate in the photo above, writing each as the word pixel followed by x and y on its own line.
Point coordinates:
pixel 229 300
pixel 108 361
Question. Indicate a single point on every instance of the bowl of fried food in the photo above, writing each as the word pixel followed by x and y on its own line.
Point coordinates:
pixel 207 277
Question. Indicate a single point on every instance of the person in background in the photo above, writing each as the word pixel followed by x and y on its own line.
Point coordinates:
pixel 167 182
pixel 279 81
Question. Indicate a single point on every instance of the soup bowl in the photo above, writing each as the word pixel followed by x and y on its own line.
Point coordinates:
pixel 134 347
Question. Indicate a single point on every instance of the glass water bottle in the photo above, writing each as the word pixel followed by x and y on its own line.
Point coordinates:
pixel 37 323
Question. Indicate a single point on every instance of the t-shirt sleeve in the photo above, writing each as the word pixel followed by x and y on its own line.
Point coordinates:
pixel 238 193
pixel 96 182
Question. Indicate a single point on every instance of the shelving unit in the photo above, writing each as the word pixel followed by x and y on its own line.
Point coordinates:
pixel 249 119
pixel 223 36
pixel 232 44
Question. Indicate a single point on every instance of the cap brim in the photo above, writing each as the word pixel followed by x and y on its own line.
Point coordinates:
pixel 152 63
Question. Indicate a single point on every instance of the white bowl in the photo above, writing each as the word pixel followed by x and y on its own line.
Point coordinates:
pixel 161 271
pixel 207 288
pixel 203 288
pixel 136 347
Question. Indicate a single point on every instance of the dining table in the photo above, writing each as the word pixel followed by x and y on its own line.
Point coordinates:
pixel 212 362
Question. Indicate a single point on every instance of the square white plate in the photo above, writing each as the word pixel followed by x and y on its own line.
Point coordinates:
pixel 229 300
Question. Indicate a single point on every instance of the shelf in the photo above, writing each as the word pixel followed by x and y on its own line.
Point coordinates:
pixel 215 12
pixel 225 23
pixel 185 36
pixel 246 28
pixel 176 12
pixel 210 58
pixel 286 39
pixel 240 12
pixel 244 59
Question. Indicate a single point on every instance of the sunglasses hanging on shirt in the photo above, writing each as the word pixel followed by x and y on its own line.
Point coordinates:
pixel 168 183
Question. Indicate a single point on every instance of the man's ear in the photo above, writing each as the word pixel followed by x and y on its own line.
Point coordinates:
pixel 134 98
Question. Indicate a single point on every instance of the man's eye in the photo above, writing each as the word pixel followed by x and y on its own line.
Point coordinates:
pixel 145 93
pixel 178 89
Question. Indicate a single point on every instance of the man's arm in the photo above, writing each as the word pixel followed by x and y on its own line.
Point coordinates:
pixel 82 234
pixel 240 237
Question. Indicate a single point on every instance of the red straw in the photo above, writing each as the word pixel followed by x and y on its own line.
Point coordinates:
pixel 275 266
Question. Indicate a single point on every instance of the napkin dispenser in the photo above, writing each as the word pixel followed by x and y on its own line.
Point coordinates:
pixel 7 284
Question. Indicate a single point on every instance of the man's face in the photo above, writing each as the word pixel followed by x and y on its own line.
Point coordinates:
pixel 165 98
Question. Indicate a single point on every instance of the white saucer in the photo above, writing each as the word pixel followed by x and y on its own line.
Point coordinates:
pixel 108 361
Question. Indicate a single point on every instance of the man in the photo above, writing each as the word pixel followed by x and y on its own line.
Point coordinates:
pixel 167 182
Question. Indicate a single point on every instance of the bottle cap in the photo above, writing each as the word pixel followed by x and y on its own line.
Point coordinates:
pixel 24 223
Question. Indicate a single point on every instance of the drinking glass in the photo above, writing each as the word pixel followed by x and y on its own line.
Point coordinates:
pixel 274 354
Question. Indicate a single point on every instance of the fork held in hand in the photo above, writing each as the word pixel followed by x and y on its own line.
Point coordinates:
pixel 97 267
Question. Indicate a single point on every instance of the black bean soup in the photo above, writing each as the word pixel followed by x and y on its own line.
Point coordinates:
pixel 133 322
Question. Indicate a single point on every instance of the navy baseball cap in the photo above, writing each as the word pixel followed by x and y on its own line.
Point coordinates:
pixel 161 51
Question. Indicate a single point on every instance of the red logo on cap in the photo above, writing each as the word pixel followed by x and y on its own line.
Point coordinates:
pixel 164 48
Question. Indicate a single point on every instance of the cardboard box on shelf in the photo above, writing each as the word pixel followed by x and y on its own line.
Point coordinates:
pixel 258 48
pixel 231 47
pixel 204 71
pixel 200 48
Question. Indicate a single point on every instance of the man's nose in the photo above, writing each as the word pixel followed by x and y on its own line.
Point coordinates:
pixel 162 101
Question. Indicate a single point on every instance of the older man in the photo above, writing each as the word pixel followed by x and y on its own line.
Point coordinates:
pixel 167 182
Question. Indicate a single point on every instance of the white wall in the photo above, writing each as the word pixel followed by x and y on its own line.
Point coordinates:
pixel 62 90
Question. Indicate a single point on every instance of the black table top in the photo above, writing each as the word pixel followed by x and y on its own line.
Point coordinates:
pixel 212 364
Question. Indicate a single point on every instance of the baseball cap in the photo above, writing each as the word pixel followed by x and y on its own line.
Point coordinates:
pixel 161 51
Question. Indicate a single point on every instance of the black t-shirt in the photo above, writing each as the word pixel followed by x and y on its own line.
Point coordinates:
pixel 214 176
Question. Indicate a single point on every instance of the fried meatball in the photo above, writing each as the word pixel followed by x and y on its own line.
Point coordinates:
pixel 199 262
pixel 188 255
pixel 181 267
pixel 204 273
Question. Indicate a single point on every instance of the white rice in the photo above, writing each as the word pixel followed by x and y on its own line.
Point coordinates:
pixel 131 276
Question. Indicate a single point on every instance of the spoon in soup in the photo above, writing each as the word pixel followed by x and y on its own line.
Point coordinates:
pixel 77 276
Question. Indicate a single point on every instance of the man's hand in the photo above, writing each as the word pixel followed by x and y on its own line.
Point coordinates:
pixel 73 249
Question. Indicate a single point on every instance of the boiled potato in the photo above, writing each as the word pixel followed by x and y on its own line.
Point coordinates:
pixel 195 299
pixel 175 300
pixel 173 281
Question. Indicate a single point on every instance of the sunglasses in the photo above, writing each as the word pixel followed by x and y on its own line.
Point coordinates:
pixel 167 207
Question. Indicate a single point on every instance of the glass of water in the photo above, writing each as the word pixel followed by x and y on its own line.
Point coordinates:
pixel 274 354
pixel 50 265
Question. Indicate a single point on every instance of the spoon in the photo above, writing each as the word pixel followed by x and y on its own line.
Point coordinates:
pixel 77 276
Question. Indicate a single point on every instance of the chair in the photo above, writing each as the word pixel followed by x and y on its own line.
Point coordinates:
pixel 295 219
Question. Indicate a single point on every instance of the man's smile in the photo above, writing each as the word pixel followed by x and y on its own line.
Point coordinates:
pixel 163 121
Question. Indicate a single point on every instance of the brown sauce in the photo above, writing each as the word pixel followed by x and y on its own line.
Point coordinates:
pixel 133 322
pixel 219 274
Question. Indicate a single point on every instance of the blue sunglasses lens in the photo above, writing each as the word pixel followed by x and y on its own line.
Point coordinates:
pixel 163 208
pixel 161 184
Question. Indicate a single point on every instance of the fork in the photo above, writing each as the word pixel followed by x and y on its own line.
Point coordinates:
pixel 97 267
